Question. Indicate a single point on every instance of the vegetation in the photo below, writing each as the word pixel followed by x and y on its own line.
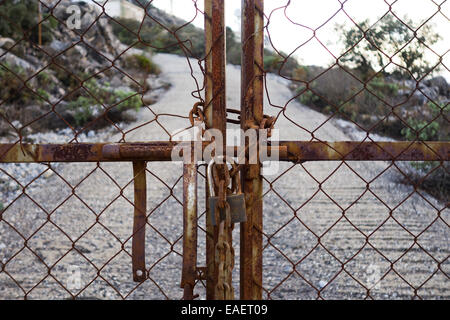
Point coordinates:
pixel 155 38
pixel 24 21
pixel 428 128
pixel 141 63
pixel 95 99
pixel 390 35
pixel 233 48
pixel 12 88
pixel 189 40
pixel 369 101
pixel 280 63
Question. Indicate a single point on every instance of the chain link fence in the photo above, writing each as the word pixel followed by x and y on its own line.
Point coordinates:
pixel 97 72
pixel 337 230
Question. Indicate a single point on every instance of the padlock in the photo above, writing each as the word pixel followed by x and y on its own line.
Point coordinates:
pixel 236 202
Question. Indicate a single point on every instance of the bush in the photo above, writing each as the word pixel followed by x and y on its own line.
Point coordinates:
pixel 335 91
pixel 141 63
pixel 280 64
pixel 24 14
pixel 87 108
pixel 12 89
pixel 155 38
pixel 428 127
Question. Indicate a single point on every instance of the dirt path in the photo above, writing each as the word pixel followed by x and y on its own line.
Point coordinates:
pixel 296 213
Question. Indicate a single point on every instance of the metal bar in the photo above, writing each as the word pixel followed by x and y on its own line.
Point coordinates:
pixel 252 112
pixel 288 150
pixel 189 273
pixel 293 151
pixel 140 218
pixel 215 112
pixel 211 235
pixel 218 67
pixel 366 151
pixel 40 24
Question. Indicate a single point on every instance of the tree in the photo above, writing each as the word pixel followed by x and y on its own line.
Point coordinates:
pixel 389 36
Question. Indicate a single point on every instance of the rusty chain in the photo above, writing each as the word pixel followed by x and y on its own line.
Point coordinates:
pixel 224 252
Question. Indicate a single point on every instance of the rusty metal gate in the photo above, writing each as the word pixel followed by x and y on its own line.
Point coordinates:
pixel 205 251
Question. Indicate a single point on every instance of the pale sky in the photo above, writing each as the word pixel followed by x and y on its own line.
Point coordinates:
pixel 286 35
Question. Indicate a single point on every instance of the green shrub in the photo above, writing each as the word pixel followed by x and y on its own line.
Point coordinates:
pixel 131 100
pixel 42 93
pixel 430 176
pixel 142 63
pixel 12 89
pixel 308 98
pixel 335 91
pixel 280 63
pixel 154 37
pixel 86 106
pixel 24 15
pixel 427 128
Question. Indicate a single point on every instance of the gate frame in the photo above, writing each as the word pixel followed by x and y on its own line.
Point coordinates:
pixel 252 97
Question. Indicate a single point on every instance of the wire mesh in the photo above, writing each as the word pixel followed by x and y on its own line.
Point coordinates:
pixel 365 230
pixel 82 72
pixel 331 230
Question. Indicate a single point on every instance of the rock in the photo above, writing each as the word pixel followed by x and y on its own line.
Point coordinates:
pixel 48 174
pixel 404 92
pixel 150 98
pixel 153 82
pixel 16 124
pixel 322 284
pixel 57 46
pixel 116 81
pixel 441 84
pixel 51 121
pixel 6 43
pixel 419 98
pixel 430 92
pixel 61 91
pixel 14 60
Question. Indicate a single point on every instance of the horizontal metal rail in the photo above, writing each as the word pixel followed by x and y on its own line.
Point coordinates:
pixel 294 151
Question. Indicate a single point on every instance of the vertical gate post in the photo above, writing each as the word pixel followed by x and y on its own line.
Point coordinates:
pixel 215 111
pixel 140 220
pixel 189 229
pixel 252 95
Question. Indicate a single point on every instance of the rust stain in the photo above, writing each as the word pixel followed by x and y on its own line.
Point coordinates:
pixel 140 219
pixel 70 152
pixel 366 151
pixel 189 272
pixel 288 151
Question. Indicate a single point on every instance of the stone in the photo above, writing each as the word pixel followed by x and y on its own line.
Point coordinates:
pixel 441 84
pixel 6 43
pixel 14 60
pixel 58 46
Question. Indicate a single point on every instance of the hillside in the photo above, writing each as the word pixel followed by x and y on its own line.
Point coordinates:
pixel 81 82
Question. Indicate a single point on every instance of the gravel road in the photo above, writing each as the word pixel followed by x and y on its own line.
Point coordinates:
pixel 362 230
